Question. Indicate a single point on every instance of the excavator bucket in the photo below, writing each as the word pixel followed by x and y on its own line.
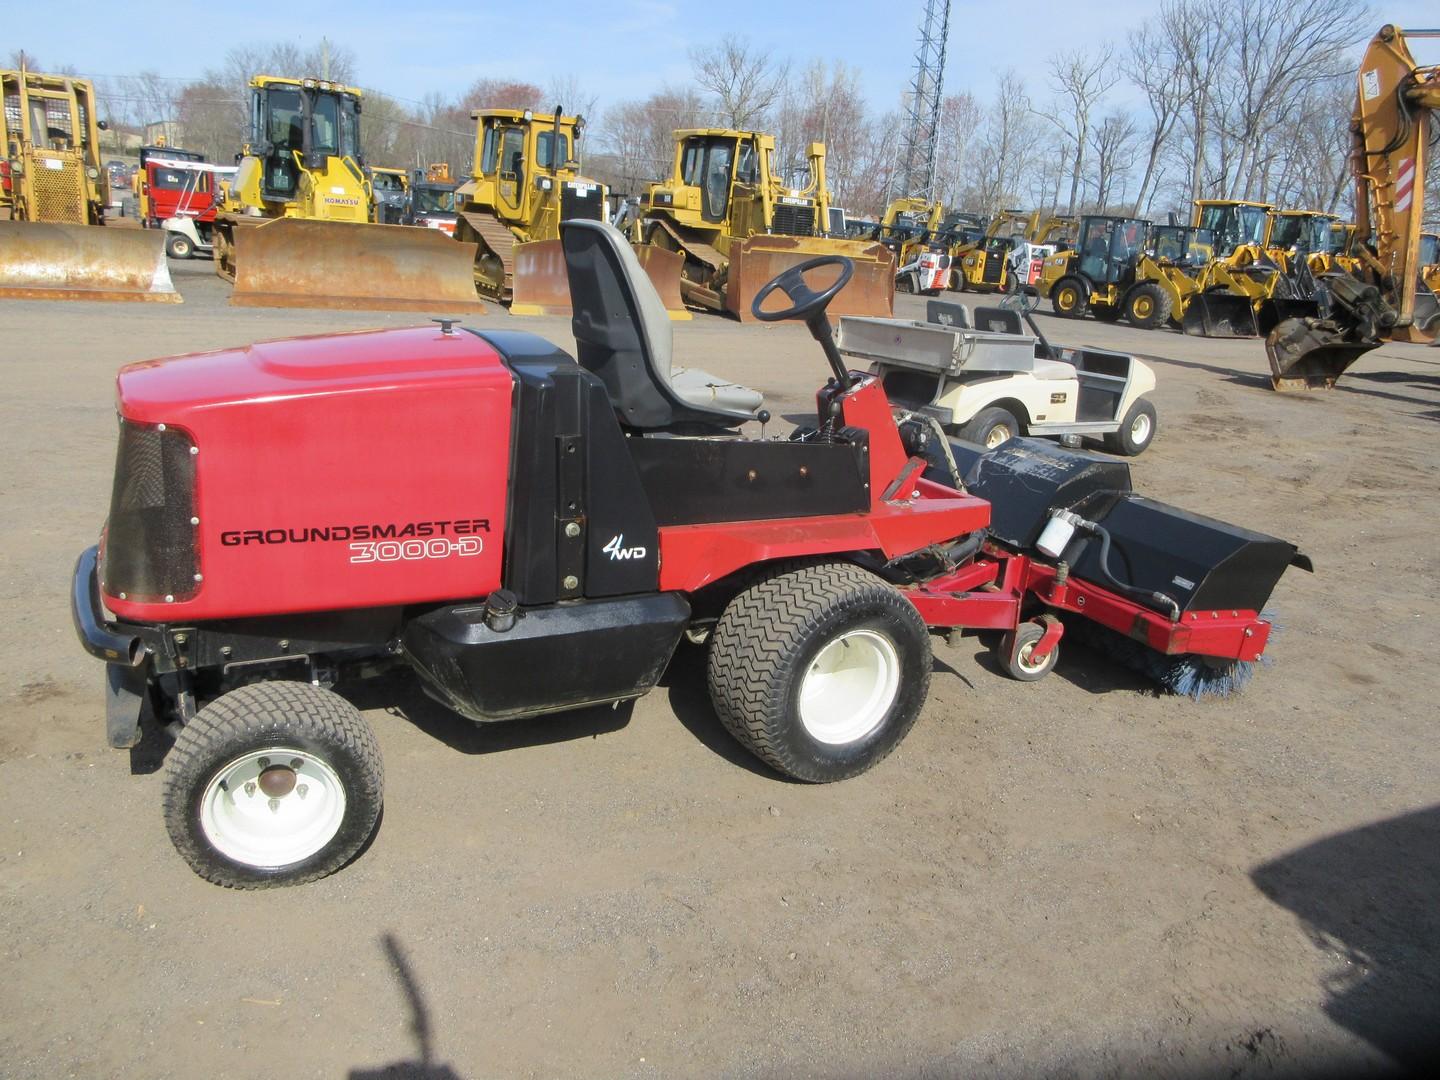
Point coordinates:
pixel 289 262
pixel 542 286
pixel 1310 354
pixel 49 261
pixel 1221 315
pixel 757 259
pixel 1276 309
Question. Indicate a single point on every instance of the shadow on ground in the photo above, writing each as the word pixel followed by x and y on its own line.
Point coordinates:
pixel 423 1066
pixel 1371 897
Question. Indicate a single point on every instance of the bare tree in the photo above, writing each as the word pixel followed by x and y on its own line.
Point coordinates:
pixel 1200 33
pixel 1005 152
pixel 636 138
pixel 1113 149
pixel 746 81
pixel 1154 65
pixel 960 116
pixel 1080 80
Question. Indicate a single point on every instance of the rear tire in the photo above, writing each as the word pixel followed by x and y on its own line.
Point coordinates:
pixel 178 246
pixel 1068 298
pixel 1147 306
pixel 1137 430
pixel 276 783
pixel 819 671
pixel 991 427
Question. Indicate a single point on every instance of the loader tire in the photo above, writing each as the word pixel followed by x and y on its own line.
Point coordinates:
pixel 1068 298
pixel 819 671
pixel 1137 430
pixel 275 783
pixel 1147 306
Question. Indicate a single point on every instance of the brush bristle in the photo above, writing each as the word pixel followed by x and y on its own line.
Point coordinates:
pixel 1195 677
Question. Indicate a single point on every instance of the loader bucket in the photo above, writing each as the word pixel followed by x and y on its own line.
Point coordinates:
pixel 1277 309
pixel 48 261
pixel 288 262
pixel 663 268
pixel 757 259
pixel 1222 315
pixel 1310 354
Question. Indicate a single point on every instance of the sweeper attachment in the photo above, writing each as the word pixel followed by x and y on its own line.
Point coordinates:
pixel 526 534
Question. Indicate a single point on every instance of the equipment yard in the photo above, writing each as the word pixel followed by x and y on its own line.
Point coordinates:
pixel 1072 877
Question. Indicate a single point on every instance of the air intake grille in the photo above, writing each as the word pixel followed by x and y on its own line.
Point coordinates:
pixel 585 201
pixel 150 547
pixel 793 220
pixel 59 194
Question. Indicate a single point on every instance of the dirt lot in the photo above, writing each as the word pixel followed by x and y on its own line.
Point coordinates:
pixel 1071 877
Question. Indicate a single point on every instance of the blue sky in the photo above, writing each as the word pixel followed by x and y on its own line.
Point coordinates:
pixel 620 49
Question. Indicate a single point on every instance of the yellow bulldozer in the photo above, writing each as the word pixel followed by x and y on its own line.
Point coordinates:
pixel 297 232
pixel 525 180
pixel 735 222
pixel 54 196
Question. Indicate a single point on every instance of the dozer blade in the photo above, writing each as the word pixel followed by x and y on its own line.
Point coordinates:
pixel 663 268
pixel 47 261
pixel 757 259
pixel 1310 354
pixel 1278 309
pixel 1222 315
pixel 288 262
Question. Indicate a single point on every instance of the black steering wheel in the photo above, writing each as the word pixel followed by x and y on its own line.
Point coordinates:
pixel 1024 299
pixel 805 301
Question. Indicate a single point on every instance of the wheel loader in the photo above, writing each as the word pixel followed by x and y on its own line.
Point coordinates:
pixel 54 198
pixel 297 229
pixel 1388 299
pixel 278 533
pixel 1247 291
pixel 728 213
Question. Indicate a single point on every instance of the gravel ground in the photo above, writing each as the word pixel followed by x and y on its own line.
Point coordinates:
pixel 1073 877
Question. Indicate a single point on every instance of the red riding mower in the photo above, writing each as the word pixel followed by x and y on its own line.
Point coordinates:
pixel 530 534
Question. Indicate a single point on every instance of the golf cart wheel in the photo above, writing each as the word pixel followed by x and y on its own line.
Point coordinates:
pixel 1137 430
pixel 178 246
pixel 1014 653
pixel 1068 298
pixel 991 427
pixel 819 671
pixel 1147 306
pixel 276 783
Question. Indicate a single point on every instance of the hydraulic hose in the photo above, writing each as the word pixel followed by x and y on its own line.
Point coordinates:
pixel 1130 590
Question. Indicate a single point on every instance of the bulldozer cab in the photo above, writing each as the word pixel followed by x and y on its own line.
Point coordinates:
pixel 1181 245
pixel 521 158
pixel 304 130
pixel 1109 246
pixel 1237 226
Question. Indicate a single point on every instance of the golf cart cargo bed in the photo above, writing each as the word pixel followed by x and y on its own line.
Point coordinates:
pixel 947 350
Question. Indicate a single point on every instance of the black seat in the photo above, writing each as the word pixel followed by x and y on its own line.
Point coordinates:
pixel 998 320
pixel 945 313
pixel 623 335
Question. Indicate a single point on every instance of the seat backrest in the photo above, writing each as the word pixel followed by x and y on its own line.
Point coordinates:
pixel 623 335
pixel 945 313
pixel 998 320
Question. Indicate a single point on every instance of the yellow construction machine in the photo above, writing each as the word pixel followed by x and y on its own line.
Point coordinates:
pixel 54 196
pixel 526 180
pixel 1388 300
pixel 984 266
pixel 735 221
pixel 1429 260
pixel 297 229
pixel 910 228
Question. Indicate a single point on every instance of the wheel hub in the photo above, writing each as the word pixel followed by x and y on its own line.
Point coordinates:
pixel 272 808
pixel 849 687
pixel 277 781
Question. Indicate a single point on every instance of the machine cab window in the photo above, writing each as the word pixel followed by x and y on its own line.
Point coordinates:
pixel 708 163
pixel 284 129
pixel 545 155
pixel 512 154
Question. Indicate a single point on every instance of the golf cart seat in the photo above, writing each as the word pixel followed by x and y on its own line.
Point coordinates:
pixel 998 320
pixel 623 335
pixel 945 313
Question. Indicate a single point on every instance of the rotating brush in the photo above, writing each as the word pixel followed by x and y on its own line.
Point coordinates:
pixel 1187 675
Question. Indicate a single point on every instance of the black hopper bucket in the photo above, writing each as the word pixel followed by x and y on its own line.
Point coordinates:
pixel 1220 315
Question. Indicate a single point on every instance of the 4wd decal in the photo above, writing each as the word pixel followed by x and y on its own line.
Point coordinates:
pixel 616 549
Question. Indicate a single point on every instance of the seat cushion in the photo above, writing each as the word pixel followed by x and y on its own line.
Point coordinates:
pixel 706 391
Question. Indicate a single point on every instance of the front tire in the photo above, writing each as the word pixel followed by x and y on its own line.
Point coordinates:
pixel 276 783
pixel 1147 306
pixel 819 671
pixel 1137 430
pixel 1068 298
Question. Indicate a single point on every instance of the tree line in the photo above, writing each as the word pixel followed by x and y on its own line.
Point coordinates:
pixel 1205 99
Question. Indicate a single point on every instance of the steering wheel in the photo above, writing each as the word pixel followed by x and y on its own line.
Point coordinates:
pixel 1024 299
pixel 805 301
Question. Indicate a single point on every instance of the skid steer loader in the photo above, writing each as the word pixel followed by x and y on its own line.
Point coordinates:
pixel 54 196
pixel 728 212
pixel 299 233
pixel 910 228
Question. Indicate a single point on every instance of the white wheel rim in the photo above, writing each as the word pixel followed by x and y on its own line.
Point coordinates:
pixel 1140 429
pixel 849 687
pixel 998 434
pixel 1023 657
pixel 250 827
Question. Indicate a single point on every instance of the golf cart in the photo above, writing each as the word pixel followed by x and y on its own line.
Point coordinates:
pixel 986 380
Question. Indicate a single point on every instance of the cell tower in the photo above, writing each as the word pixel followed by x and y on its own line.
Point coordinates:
pixel 917 154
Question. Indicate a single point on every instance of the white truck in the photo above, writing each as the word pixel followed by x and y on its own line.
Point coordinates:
pixel 986 380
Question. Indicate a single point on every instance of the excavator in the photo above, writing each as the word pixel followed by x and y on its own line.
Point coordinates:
pixel 1387 300
pixel 735 222
pixel 54 198
pixel 297 228
pixel 526 180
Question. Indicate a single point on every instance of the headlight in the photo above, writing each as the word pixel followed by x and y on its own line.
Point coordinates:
pixel 93 173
